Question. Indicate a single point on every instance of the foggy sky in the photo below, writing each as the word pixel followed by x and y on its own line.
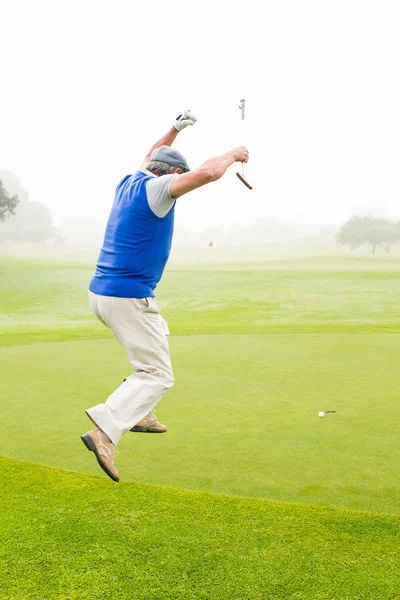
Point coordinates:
pixel 88 86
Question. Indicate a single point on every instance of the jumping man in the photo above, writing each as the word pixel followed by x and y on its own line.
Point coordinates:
pixel 131 262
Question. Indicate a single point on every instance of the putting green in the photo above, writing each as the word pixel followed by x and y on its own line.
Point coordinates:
pixel 242 417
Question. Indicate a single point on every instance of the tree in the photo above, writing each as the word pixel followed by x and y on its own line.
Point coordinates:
pixel 31 222
pixel 383 236
pixel 377 233
pixel 8 203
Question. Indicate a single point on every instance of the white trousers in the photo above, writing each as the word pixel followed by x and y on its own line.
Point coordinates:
pixel 139 327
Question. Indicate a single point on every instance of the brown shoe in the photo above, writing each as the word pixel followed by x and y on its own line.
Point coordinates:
pixel 149 425
pixel 98 442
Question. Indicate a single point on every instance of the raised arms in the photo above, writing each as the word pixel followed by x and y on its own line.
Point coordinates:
pixel 182 121
pixel 211 170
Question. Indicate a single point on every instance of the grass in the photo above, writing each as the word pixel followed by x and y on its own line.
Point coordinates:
pixel 258 350
pixel 69 536
pixel 44 301
pixel 242 417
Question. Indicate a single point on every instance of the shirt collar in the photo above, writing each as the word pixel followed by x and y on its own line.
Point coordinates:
pixel 147 172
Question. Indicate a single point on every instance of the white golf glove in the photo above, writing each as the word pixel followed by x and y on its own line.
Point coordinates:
pixel 185 119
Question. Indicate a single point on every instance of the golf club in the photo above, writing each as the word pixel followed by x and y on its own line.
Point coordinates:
pixel 241 176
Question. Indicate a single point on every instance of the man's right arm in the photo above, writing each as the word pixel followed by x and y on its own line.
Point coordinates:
pixel 212 170
pixel 181 122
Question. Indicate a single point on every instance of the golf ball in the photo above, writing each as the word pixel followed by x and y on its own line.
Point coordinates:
pixel 321 414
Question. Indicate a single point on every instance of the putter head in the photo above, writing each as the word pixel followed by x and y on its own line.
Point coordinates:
pixel 242 179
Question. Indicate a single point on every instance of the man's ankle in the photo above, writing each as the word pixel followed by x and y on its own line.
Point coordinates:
pixel 105 437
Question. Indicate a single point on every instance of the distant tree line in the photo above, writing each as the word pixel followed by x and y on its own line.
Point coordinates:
pixel 20 218
pixel 371 231
pixel 24 220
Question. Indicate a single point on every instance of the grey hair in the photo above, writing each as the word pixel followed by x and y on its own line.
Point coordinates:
pixel 160 168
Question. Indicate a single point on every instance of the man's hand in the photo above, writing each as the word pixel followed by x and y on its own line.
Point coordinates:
pixel 242 154
pixel 185 119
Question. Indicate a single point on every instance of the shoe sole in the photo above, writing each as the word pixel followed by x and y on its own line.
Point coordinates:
pixel 91 446
pixel 141 429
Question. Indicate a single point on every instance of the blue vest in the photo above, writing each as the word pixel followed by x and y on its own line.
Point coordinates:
pixel 136 246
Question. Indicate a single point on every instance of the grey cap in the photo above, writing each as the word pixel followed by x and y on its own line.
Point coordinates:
pixel 171 157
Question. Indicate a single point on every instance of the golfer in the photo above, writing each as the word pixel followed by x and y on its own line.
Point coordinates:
pixel 131 262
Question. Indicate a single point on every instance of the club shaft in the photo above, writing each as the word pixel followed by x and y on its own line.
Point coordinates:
pixel 242 107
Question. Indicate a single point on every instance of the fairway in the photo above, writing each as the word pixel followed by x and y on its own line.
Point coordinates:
pixel 257 353
pixel 43 301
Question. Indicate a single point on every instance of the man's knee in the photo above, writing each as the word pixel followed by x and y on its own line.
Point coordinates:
pixel 163 378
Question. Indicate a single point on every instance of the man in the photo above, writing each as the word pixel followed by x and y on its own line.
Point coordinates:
pixel 132 259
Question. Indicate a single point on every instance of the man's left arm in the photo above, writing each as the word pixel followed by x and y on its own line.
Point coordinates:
pixel 185 119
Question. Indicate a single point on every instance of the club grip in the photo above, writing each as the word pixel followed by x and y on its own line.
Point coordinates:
pixel 242 107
